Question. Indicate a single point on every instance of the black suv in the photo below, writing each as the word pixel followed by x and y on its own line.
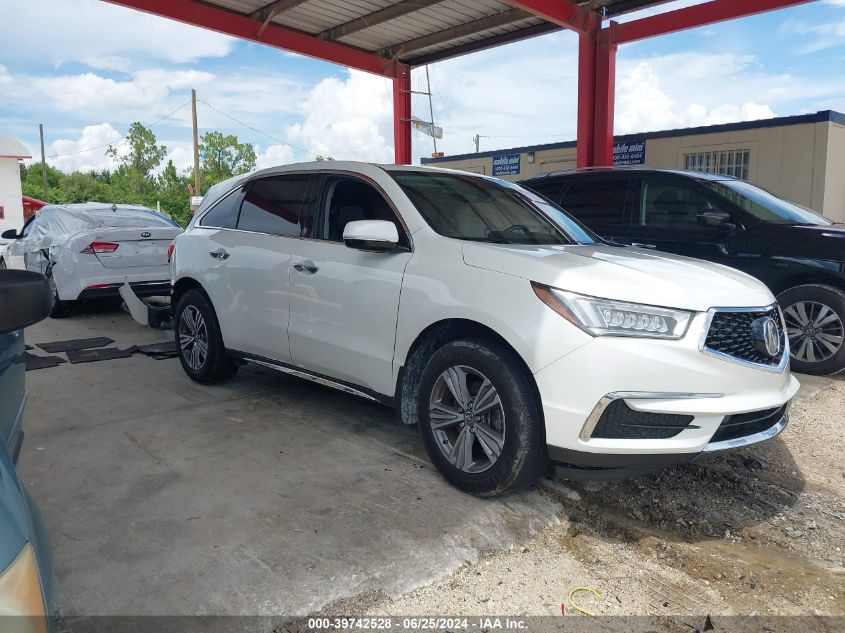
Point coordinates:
pixel 797 253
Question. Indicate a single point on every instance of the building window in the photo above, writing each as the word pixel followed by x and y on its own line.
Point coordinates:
pixel 733 162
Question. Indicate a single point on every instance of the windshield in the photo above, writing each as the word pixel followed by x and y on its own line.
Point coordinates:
pixel 762 204
pixel 478 209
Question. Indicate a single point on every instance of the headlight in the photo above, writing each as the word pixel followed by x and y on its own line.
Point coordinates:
pixel 20 594
pixel 602 317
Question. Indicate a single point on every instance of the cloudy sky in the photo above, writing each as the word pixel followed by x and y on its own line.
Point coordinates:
pixel 87 69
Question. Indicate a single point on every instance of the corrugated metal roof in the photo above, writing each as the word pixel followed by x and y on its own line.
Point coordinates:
pixel 414 31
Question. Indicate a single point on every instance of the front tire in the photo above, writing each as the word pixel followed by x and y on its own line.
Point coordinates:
pixel 480 418
pixel 198 340
pixel 815 325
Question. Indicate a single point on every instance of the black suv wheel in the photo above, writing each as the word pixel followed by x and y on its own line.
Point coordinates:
pixel 815 320
pixel 201 350
pixel 480 418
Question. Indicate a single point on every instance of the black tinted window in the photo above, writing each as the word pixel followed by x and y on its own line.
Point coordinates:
pixel 274 205
pixel 674 206
pixel 349 199
pixel 224 214
pixel 595 201
pixel 550 190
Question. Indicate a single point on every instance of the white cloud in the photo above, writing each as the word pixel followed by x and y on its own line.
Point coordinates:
pixel 274 155
pixel 66 154
pixel 347 119
pixel 643 105
pixel 98 33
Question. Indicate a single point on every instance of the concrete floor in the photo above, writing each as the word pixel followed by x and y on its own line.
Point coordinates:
pixel 265 495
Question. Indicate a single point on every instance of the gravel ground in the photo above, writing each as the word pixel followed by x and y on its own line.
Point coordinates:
pixel 757 531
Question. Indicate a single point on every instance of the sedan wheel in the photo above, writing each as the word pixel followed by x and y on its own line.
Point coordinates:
pixel 815 331
pixel 193 337
pixel 467 419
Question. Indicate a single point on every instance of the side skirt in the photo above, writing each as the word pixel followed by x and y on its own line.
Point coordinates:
pixel 299 372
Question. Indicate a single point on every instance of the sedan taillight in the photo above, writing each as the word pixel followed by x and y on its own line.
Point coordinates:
pixel 100 247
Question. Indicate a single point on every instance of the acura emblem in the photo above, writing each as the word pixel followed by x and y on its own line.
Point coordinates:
pixel 766 336
pixel 146 234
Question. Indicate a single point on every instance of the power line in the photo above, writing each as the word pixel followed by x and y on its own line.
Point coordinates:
pixel 257 131
pixel 91 149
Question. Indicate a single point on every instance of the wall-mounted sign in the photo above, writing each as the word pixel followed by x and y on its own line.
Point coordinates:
pixel 629 153
pixel 506 164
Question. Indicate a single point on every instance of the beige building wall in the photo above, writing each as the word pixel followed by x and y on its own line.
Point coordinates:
pixel 802 162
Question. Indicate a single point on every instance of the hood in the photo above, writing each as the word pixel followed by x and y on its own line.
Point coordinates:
pixel 625 274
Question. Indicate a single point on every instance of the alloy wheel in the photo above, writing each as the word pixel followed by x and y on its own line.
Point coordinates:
pixel 814 330
pixel 193 337
pixel 467 419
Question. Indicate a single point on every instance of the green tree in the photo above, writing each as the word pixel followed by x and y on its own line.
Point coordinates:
pixel 223 156
pixel 83 187
pixel 33 185
pixel 137 165
pixel 173 194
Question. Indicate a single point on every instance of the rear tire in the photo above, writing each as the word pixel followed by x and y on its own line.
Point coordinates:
pixel 815 324
pixel 198 340
pixel 480 418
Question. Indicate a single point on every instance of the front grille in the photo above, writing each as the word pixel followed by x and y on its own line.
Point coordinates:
pixel 619 421
pixel 730 333
pixel 744 424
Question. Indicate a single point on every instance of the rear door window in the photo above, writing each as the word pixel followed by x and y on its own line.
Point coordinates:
pixel 546 188
pixel 275 204
pixel 597 202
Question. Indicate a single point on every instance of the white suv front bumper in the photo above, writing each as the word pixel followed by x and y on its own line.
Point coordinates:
pixel 656 376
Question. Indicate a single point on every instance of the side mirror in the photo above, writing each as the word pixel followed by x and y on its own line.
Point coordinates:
pixel 377 236
pixel 716 219
pixel 25 299
pixel 10 234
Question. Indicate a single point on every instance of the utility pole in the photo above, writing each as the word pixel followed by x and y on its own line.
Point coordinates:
pixel 476 139
pixel 197 178
pixel 430 108
pixel 43 163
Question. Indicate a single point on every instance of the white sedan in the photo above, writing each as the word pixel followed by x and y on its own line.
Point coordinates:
pixel 89 250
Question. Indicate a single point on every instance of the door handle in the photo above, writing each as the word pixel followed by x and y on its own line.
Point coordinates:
pixel 220 253
pixel 306 266
pixel 643 245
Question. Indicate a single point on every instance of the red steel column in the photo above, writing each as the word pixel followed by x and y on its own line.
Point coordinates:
pixel 402 114
pixel 586 96
pixel 605 101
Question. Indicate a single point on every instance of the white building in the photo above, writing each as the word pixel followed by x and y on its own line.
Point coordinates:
pixel 12 151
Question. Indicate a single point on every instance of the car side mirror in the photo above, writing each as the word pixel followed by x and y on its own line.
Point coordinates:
pixel 377 236
pixel 25 299
pixel 716 219
pixel 10 234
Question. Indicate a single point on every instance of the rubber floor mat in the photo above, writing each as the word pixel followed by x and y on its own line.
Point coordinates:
pixel 41 362
pixel 74 344
pixel 94 355
pixel 159 351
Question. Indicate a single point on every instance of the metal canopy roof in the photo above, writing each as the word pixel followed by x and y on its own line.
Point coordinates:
pixel 413 31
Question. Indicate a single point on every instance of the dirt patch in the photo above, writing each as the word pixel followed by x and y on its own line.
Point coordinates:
pixel 756 531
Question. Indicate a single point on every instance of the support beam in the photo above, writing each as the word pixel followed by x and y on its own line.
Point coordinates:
pixel 564 13
pixel 403 7
pixel 244 27
pixel 586 97
pixel 402 115
pixel 605 103
pixel 691 17
pixel 488 42
pixel 267 12
pixel 453 33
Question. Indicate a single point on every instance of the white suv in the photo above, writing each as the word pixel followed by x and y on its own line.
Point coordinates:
pixel 505 329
